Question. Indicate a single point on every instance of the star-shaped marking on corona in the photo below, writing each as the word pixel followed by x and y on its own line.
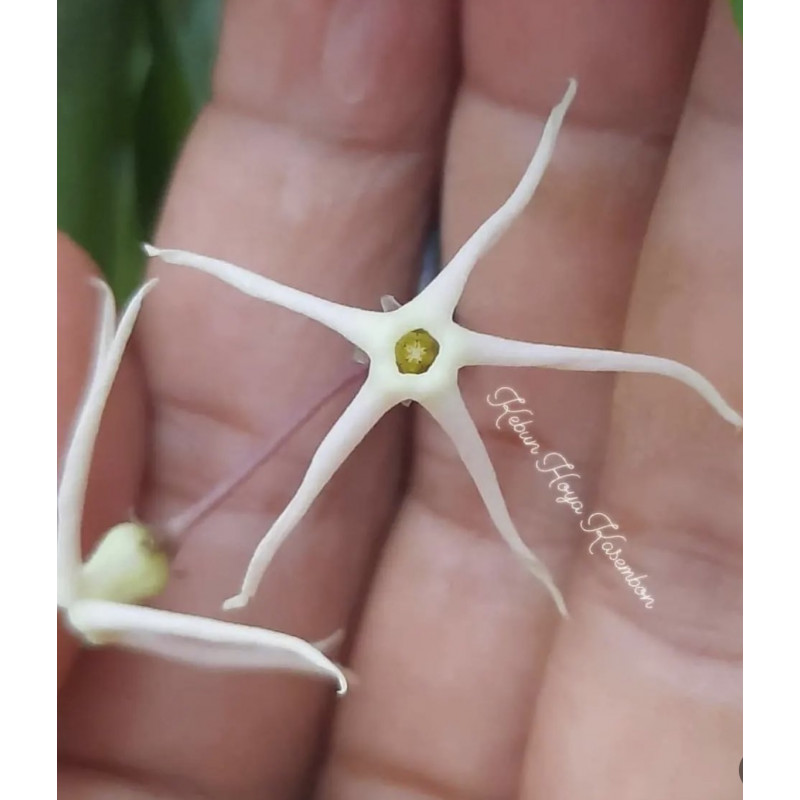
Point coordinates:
pixel 99 598
pixel 415 352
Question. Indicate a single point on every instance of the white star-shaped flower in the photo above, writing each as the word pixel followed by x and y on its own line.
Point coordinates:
pixel 394 379
pixel 99 598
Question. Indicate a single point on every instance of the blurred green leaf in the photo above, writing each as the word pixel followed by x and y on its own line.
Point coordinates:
pixel 102 61
pixel 183 38
pixel 131 78
pixel 736 8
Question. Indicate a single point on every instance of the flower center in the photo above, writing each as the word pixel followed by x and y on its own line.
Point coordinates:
pixel 415 351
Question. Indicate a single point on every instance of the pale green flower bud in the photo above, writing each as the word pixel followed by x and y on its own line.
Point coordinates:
pixel 126 566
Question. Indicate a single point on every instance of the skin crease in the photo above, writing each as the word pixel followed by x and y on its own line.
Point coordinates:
pixel 469 685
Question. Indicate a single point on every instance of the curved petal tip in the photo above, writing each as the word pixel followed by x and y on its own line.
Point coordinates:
pixel 238 601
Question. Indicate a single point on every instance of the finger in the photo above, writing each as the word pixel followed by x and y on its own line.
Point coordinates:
pixel 118 456
pixel 313 165
pixel 456 634
pixel 672 485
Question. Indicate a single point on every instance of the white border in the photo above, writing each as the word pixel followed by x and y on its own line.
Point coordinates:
pixel 772 368
pixel 27 419
pixel 772 399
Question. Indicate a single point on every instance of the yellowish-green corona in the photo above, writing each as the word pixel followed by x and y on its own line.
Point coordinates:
pixel 415 351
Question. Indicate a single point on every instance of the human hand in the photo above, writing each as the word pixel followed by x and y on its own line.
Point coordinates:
pixel 321 172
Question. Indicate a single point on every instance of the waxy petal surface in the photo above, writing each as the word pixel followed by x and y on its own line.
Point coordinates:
pixel 352 323
pixel 364 411
pixel 484 350
pixel 199 641
pixel 450 411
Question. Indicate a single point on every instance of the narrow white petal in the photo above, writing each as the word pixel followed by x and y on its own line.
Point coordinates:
pixel 364 411
pixel 359 356
pixel 446 288
pixel 352 323
pixel 389 303
pixel 198 641
pixel 73 484
pixel 78 456
pixel 107 321
pixel 331 642
pixel 481 349
pixel 449 410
